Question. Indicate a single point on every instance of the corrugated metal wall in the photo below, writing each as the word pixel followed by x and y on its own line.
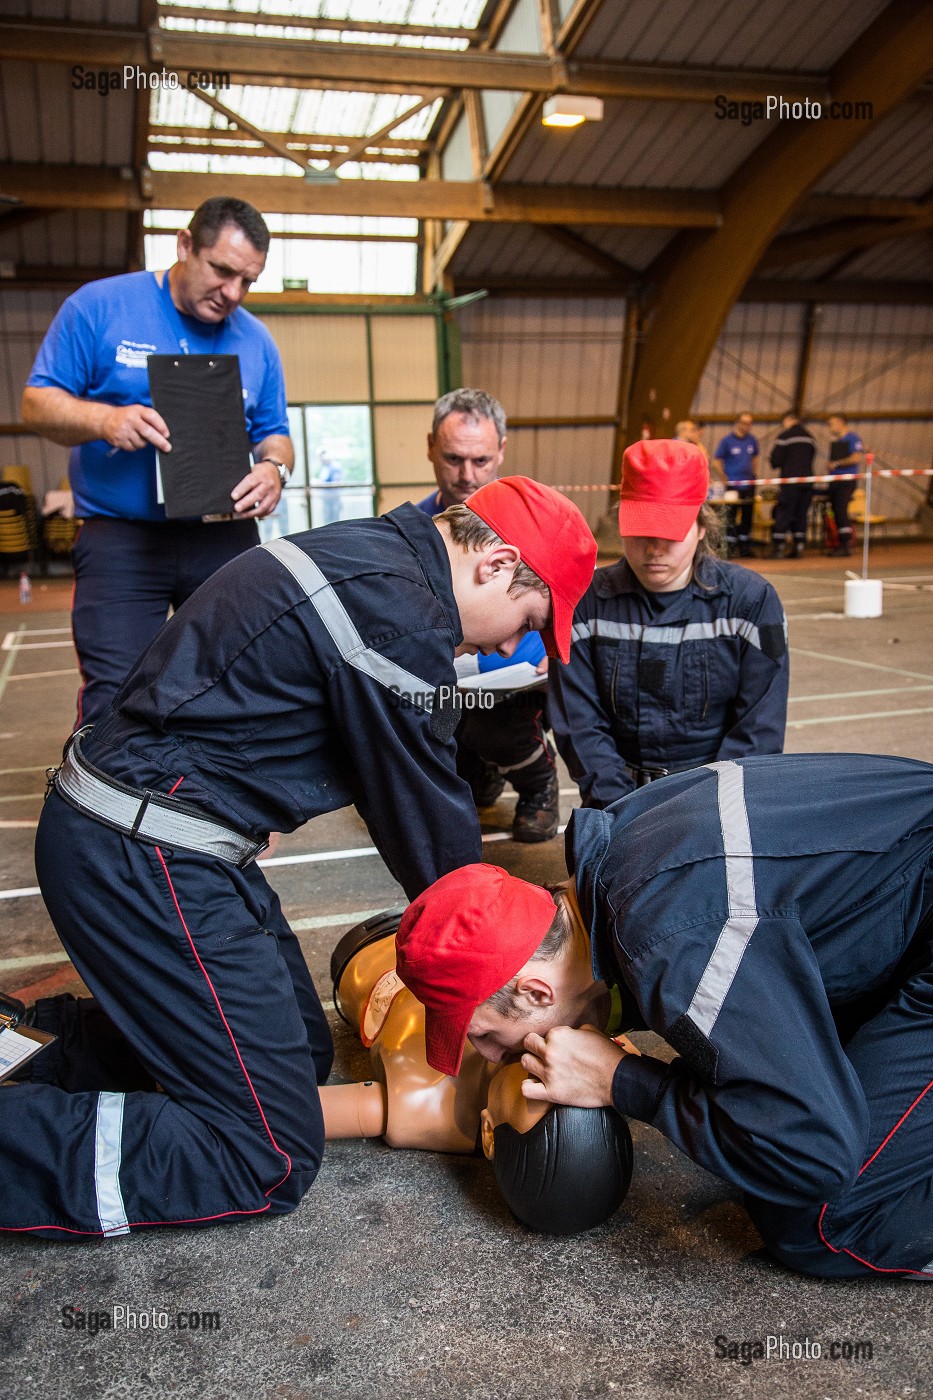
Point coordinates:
pixel 24 320
pixel 864 359
pixel 550 358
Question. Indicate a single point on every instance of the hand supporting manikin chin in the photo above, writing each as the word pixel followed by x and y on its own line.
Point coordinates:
pixel 560 1169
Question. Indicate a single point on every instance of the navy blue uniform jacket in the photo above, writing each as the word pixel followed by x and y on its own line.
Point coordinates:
pixel 273 704
pixel 669 681
pixel 735 905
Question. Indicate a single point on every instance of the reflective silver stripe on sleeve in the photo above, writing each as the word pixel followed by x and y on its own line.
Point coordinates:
pixel 107 1153
pixel 667 636
pixel 730 947
pixel 342 629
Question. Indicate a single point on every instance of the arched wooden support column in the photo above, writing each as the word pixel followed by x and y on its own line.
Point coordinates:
pixel 704 273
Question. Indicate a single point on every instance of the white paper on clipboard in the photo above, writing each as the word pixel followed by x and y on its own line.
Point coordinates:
pixel 521 676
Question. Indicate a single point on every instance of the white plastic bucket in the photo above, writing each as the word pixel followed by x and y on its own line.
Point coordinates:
pixel 863 597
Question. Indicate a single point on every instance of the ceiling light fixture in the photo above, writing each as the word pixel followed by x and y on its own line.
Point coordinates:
pixel 564 110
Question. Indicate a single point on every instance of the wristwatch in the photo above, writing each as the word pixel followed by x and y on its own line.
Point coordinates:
pixel 281 468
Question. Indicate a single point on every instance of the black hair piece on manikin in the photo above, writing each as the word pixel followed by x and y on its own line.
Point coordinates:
pixel 569 1173
pixel 360 936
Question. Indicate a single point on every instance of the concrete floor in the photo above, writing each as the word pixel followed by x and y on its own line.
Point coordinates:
pixel 402 1274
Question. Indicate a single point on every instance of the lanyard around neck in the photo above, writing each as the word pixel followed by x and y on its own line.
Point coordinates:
pixel 177 324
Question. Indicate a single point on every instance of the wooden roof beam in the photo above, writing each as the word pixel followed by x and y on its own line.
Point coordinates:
pixel 309 63
pixel 842 237
pixel 319 22
pixel 95 187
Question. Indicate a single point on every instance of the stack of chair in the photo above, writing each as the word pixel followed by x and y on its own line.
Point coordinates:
pixel 59 532
pixel 21 477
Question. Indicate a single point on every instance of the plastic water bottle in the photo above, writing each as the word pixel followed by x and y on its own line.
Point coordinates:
pixel 25 588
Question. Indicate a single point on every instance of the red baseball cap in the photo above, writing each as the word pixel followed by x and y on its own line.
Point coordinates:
pixel 664 483
pixel 460 941
pixel 554 539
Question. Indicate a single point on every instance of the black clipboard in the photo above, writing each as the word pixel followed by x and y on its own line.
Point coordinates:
pixel 201 399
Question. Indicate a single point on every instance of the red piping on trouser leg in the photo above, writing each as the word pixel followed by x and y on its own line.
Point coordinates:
pixel 875 1268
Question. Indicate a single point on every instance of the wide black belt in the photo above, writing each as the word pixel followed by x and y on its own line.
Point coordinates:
pixel 644 773
pixel 148 816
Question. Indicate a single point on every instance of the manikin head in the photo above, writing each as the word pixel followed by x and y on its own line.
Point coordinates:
pixel 493 958
pixel 663 517
pixel 220 255
pixel 560 1169
pixel 466 443
pixel 521 557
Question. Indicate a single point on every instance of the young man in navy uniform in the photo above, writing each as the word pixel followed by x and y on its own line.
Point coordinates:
pixel 772 919
pixel 311 673
pixel 466 446
pixel 845 456
pixel 736 457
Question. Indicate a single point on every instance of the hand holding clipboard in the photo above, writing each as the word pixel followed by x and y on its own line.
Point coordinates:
pixel 201 399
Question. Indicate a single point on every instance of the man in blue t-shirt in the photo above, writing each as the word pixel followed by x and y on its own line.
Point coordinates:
pixel 89 389
pixel 466 446
pixel 735 460
pixel 845 456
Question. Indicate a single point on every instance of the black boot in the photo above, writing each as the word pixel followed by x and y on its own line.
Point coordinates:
pixel 537 815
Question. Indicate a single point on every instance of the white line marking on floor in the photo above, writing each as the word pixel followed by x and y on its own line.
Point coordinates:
pixel 868 665
pixel 23 796
pixel 858 694
pixel 312 856
pixel 24 631
pixel 32 960
pixel 8 665
pixel 31 646
pixel 39 768
pixel 8 825
pixel 847 719
pixel 335 920
pixel 44 675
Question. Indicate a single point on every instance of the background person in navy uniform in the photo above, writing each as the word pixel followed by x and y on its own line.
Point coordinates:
pixel 845 455
pixel 792 455
pixel 299 679
pixel 466 446
pixel 89 389
pixel 772 919
pixel 677 657
pixel 737 458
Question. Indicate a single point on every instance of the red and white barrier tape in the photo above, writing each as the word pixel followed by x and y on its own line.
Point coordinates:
pixel 788 480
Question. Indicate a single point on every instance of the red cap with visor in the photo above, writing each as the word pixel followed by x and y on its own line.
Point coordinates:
pixel 460 941
pixel 555 542
pixel 664 483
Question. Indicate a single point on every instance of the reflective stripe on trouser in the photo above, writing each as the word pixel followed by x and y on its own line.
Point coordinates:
pixel 882 1225
pixel 193 962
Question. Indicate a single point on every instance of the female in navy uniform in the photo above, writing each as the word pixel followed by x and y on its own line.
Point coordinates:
pixel 677 657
